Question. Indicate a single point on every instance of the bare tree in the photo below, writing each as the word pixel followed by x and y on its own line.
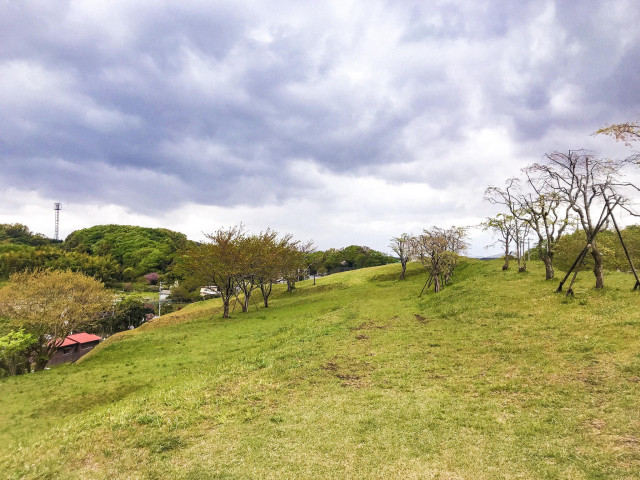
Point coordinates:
pixel 622 132
pixel 522 216
pixel 546 214
pixel 438 249
pixel 456 238
pixel 586 183
pixel 401 246
pixel 502 224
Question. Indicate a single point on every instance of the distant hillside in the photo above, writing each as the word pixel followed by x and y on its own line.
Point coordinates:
pixel 139 249
pixel 20 248
pixel 495 377
pixel 18 234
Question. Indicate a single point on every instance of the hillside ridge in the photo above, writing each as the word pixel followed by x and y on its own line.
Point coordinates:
pixel 356 377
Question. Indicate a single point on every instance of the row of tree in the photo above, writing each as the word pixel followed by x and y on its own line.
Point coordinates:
pixel 237 264
pixel 568 191
pixel 121 253
pixel 438 249
pixel 349 258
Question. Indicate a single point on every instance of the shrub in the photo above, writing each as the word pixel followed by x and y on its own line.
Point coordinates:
pixel 152 278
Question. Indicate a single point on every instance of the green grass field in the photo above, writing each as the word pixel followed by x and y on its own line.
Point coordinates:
pixel 355 377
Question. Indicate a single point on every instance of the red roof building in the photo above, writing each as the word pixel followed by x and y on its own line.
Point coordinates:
pixel 74 347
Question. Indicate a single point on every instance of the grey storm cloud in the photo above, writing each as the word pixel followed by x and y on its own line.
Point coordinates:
pixel 146 103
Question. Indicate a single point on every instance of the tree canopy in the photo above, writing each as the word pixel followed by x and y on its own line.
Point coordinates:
pixel 51 304
pixel 141 249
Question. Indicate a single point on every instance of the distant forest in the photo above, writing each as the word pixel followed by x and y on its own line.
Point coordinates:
pixel 124 253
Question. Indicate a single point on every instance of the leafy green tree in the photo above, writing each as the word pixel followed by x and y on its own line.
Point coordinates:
pixel 270 255
pixel 316 264
pixel 128 312
pixel 292 262
pixel 333 260
pixel 183 294
pixel 216 263
pixel 51 304
pixel 14 351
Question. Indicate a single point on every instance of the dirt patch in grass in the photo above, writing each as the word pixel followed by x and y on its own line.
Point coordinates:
pixel 369 325
pixel 596 425
pixel 352 373
pixel 629 441
pixel 421 319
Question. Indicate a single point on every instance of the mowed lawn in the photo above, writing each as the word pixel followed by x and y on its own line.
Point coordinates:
pixel 355 377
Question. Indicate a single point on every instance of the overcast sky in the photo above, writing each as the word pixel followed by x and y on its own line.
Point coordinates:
pixel 345 122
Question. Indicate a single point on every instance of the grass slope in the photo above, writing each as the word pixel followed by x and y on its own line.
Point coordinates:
pixel 356 377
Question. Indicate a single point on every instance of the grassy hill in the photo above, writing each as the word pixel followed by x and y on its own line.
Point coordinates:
pixel 355 377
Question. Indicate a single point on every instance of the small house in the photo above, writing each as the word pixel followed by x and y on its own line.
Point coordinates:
pixel 74 347
pixel 209 291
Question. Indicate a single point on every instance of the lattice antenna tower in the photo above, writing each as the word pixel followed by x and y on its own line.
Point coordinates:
pixel 57 207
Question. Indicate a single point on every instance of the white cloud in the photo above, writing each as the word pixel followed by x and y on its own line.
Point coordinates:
pixel 349 123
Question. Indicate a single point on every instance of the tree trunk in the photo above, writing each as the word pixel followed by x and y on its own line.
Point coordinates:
pixel 436 283
pixel 548 266
pixel 245 303
pixel 506 261
pixel 404 268
pixel 291 285
pixel 40 363
pixel 266 291
pixel 42 353
pixel 506 253
pixel 597 265
pixel 225 304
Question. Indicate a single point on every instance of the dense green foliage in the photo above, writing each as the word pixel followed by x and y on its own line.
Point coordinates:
pixel 129 311
pixel 18 234
pixel 14 349
pixel 108 252
pixel 20 248
pixel 570 246
pixel 348 258
pixel 51 304
pixel 138 250
pixel 495 377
